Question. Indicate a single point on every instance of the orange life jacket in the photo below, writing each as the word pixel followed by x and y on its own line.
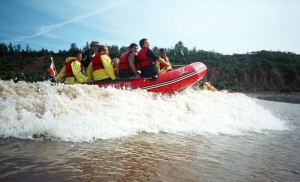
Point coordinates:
pixel 97 63
pixel 69 72
pixel 144 60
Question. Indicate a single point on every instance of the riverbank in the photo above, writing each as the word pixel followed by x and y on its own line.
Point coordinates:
pixel 291 97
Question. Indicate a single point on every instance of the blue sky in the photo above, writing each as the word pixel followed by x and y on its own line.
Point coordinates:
pixel 224 26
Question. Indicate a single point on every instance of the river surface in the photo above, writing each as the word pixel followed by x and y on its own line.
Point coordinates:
pixel 83 133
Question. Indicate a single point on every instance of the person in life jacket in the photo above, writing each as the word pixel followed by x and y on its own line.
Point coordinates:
pixel 72 71
pixel 101 68
pixel 147 60
pixel 88 55
pixel 128 66
pixel 162 68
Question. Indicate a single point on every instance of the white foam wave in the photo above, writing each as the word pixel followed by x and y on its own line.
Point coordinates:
pixel 84 113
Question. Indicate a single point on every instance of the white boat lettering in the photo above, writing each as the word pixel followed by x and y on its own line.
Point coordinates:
pixel 127 85
pixel 116 86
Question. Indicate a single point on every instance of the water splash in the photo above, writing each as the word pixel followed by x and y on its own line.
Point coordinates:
pixel 85 113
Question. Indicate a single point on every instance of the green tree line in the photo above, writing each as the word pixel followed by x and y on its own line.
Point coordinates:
pixel 230 68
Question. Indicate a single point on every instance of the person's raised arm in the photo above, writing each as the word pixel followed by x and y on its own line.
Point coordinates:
pixel 161 60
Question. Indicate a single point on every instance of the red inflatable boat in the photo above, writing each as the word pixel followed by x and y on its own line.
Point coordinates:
pixel 169 82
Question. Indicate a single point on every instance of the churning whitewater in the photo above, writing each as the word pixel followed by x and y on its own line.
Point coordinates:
pixel 80 113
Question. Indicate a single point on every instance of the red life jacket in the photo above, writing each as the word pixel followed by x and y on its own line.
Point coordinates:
pixel 97 63
pixel 124 62
pixel 144 60
pixel 69 72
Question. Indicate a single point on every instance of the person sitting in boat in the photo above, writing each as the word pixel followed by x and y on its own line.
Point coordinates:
pixel 147 60
pixel 101 68
pixel 88 55
pixel 72 71
pixel 128 67
pixel 162 68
